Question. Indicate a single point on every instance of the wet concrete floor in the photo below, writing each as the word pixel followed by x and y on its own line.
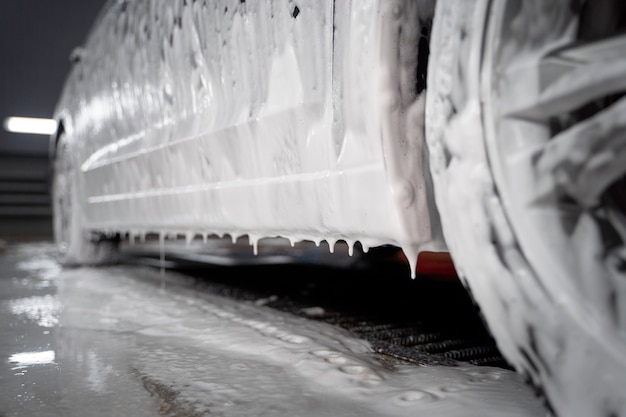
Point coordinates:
pixel 128 340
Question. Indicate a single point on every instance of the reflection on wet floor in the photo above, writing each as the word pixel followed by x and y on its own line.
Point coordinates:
pixel 111 341
pixel 49 369
pixel 24 359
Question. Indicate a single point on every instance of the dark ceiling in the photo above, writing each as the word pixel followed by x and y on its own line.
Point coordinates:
pixel 36 39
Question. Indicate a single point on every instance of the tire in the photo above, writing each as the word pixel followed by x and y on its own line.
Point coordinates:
pixel 528 159
pixel 76 245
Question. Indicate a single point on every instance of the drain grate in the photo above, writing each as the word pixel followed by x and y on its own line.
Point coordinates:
pixel 422 321
pixel 415 343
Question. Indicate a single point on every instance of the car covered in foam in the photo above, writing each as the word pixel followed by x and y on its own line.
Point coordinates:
pixel 492 130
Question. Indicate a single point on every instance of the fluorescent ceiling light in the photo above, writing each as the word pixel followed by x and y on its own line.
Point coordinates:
pixel 30 125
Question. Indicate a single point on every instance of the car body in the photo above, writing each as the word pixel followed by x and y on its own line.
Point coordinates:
pixel 282 147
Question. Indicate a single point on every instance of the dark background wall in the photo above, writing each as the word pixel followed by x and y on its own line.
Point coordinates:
pixel 36 39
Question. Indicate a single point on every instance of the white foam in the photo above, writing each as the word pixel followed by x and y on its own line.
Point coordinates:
pixel 251 119
pixel 239 358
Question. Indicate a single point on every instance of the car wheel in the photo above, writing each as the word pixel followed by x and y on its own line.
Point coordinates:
pixel 525 122
pixel 76 245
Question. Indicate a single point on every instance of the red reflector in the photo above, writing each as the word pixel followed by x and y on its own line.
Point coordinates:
pixel 436 265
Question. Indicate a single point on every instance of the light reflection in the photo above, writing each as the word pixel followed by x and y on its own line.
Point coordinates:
pixel 32 358
pixel 41 309
pixel 43 267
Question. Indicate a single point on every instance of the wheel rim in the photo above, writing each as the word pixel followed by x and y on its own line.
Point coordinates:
pixel 554 105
